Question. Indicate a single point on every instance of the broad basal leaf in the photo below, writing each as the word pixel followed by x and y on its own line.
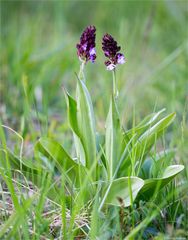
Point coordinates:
pixel 155 184
pixel 123 191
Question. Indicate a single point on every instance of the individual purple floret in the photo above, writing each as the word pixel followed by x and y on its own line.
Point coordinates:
pixel 111 49
pixel 86 47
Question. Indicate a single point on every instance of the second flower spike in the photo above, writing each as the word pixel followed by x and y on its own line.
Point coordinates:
pixel 111 51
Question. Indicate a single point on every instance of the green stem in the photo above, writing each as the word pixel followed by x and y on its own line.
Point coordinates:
pixel 81 74
pixel 115 90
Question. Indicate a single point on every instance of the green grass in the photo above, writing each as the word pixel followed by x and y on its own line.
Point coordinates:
pixel 38 57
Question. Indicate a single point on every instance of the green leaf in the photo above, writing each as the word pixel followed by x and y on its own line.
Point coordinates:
pixel 113 139
pixel 149 135
pixel 153 165
pixel 72 113
pixel 146 123
pixel 63 162
pixel 123 191
pixel 72 119
pixel 86 124
pixel 147 139
pixel 145 142
pixel 152 186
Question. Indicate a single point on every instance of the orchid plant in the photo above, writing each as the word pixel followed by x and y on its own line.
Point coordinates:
pixel 118 164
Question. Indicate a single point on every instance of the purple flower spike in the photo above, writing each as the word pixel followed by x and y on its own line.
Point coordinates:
pixel 86 47
pixel 111 51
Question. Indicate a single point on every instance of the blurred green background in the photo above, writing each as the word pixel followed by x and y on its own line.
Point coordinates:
pixel 38 57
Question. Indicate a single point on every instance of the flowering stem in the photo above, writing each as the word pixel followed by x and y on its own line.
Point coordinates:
pixel 115 90
pixel 81 73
